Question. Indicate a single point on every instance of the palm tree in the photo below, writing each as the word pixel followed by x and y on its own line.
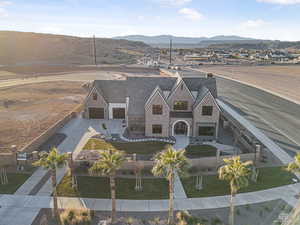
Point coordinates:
pixel 166 164
pixel 237 174
pixel 108 164
pixel 51 161
pixel 294 167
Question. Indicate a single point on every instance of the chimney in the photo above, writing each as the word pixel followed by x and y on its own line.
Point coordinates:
pixel 209 75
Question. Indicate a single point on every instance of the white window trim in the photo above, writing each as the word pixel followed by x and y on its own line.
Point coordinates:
pixel 111 106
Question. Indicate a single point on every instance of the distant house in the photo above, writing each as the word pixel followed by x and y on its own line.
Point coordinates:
pixel 199 58
pixel 158 106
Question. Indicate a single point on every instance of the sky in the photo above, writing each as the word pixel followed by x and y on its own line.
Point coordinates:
pixel 263 19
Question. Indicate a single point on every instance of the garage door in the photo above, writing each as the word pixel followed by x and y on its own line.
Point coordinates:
pixel 119 113
pixel 96 113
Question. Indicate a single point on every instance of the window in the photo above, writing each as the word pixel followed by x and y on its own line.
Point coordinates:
pixel 181 105
pixel 156 129
pixel 207 110
pixel 95 96
pixel 206 131
pixel 157 109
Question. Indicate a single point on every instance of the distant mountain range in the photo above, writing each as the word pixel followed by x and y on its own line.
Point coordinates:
pixel 163 40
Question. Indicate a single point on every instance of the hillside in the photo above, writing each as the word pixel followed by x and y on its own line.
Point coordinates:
pixel 162 40
pixel 259 45
pixel 34 48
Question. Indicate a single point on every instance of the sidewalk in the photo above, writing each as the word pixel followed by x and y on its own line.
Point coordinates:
pixel 286 193
pixel 78 131
pixel 181 143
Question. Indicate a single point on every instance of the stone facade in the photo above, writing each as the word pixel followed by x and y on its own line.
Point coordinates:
pixel 181 93
pixel 201 120
pixel 99 103
pixel 151 119
pixel 164 92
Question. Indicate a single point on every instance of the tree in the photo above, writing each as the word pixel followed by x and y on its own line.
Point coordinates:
pixel 3 173
pixel 51 161
pixel 237 174
pixel 108 164
pixel 166 164
pixel 294 167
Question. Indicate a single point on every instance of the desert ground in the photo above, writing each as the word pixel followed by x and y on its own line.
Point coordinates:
pixel 30 96
pixel 28 110
pixel 282 80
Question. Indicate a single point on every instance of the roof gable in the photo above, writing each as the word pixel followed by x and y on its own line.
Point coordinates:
pixel 202 95
pixel 179 84
pixel 99 92
pixel 156 91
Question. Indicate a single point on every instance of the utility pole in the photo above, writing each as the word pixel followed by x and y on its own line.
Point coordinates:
pixel 95 51
pixel 170 50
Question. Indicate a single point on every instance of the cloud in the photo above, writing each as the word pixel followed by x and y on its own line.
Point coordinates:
pixel 173 2
pixel 281 2
pixel 4 3
pixel 254 23
pixel 191 14
pixel 3 12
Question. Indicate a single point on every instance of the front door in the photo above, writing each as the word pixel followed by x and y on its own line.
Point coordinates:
pixel 180 128
pixel 118 113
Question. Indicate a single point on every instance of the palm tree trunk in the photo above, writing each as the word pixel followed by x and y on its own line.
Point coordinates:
pixel 55 205
pixel 171 200
pixel 231 216
pixel 113 198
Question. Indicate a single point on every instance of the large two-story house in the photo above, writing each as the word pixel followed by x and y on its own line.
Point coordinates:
pixel 158 106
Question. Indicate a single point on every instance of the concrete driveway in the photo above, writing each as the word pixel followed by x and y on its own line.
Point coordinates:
pixel 78 132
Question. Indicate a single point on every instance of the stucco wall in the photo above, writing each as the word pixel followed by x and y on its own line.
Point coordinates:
pixel 151 119
pixel 198 118
pixel 99 103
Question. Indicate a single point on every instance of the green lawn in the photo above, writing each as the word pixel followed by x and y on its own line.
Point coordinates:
pixel 198 151
pixel 148 147
pixel 98 187
pixel 267 178
pixel 15 180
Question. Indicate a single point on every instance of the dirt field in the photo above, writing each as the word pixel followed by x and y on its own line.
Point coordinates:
pixel 283 80
pixel 27 110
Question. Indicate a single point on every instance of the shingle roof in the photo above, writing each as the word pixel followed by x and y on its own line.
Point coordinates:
pixel 201 94
pixel 113 91
pixel 139 89
pixel 196 83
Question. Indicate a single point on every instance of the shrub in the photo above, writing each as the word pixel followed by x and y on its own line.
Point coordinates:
pixel 76 217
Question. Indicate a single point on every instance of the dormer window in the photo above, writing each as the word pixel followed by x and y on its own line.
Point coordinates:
pixel 95 96
pixel 180 105
pixel 157 109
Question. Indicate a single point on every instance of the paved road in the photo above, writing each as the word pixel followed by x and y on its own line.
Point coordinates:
pixel 80 76
pixel 278 118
